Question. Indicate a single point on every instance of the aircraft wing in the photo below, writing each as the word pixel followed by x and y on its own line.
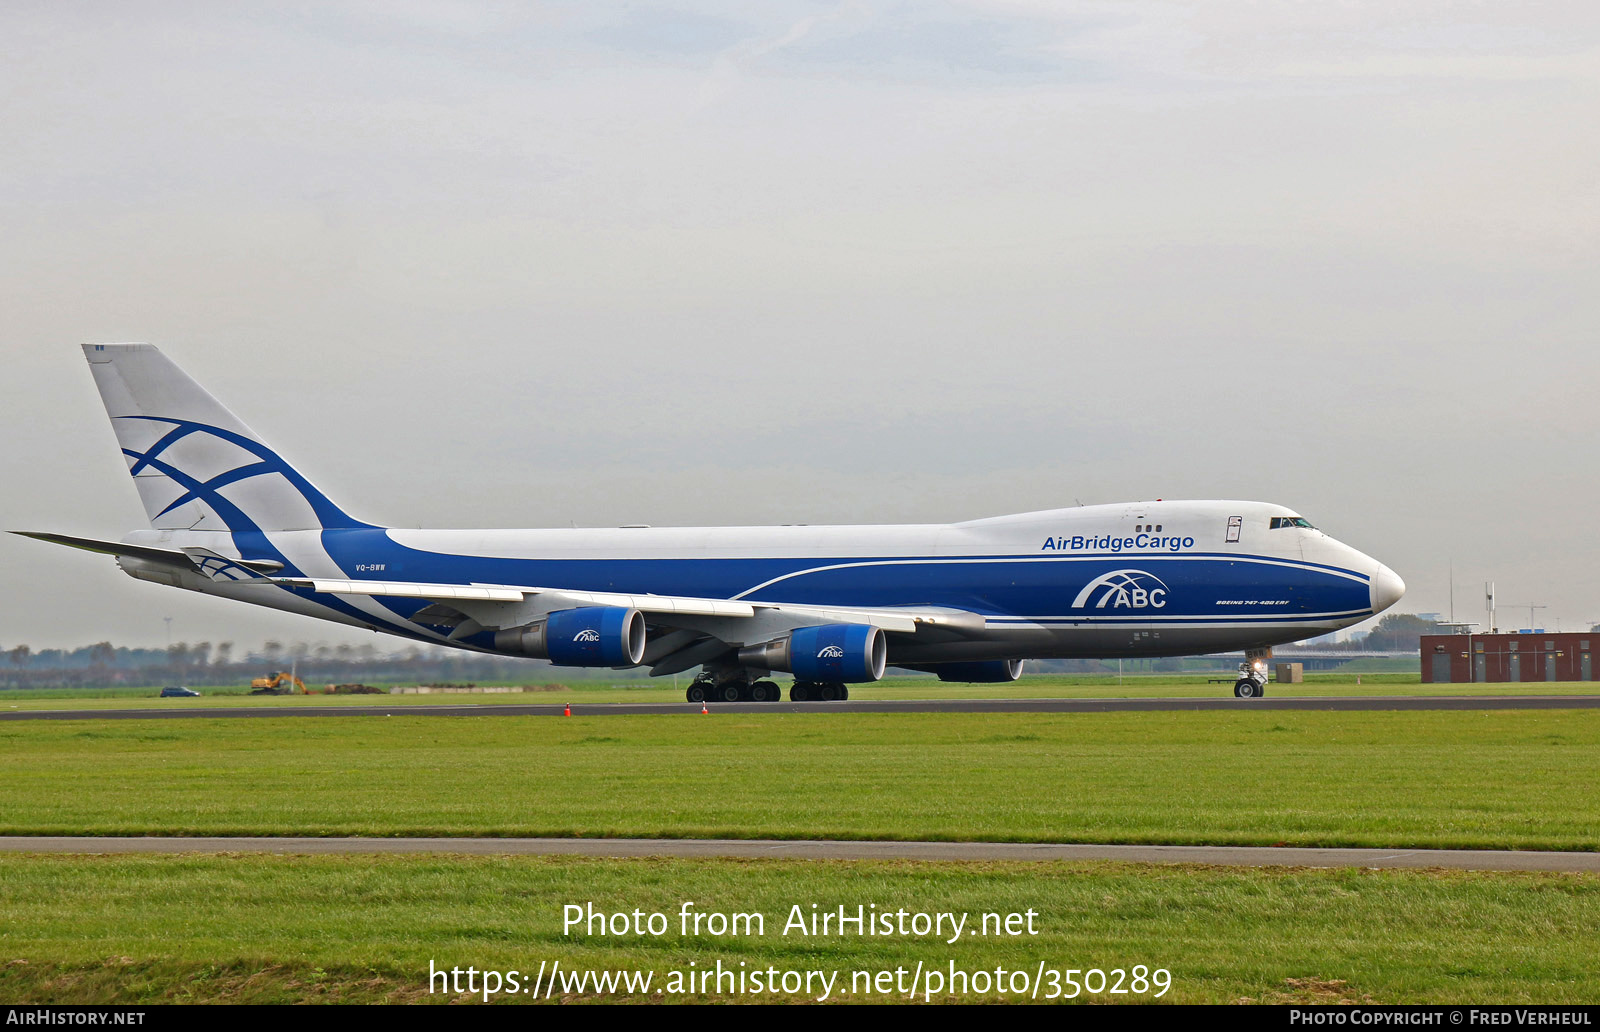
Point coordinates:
pixel 498 605
pixel 685 630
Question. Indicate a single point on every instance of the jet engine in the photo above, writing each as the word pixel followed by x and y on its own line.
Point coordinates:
pixel 994 671
pixel 600 636
pixel 832 653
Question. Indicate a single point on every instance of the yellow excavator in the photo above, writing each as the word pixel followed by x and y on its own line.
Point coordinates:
pixel 279 683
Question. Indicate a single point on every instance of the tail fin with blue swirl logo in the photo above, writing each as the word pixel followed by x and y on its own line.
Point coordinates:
pixel 196 465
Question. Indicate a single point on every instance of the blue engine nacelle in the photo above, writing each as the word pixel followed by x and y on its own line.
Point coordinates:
pixel 595 636
pixel 590 636
pixel 994 671
pixel 832 653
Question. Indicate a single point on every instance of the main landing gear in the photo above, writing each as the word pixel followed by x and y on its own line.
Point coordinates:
pixel 819 691
pixel 706 688
pixel 732 688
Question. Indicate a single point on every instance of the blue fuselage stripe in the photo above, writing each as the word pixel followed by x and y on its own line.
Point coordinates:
pixel 1208 587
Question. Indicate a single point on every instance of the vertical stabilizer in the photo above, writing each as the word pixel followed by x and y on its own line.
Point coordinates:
pixel 196 465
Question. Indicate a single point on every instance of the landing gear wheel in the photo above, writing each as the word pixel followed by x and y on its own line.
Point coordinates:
pixel 844 693
pixel 1248 688
pixel 696 692
pixel 765 691
pixel 831 692
pixel 730 692
pixel 800 691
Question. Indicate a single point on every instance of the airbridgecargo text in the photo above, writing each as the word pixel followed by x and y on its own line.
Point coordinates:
pixel 1115 543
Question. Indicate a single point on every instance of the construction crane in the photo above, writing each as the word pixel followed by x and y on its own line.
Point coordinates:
pixel 1529 606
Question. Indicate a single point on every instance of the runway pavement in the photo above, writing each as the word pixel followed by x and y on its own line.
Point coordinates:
pixel 1230 856
pixel 180 710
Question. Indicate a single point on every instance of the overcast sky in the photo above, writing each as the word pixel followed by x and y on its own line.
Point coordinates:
pixel 480 264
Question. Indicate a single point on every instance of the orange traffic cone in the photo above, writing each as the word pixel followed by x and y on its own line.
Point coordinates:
pixel 703 708
pixel 568 711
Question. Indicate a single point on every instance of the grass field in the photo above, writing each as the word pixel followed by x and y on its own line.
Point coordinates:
pixel 581 692
pixel 273 929
pixel 1522 779
pixel 364 929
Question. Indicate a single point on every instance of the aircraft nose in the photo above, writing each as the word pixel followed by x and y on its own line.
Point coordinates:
pixel 1387 587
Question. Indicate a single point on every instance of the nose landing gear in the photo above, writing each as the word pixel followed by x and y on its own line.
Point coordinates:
pixel 1252 682
pixel 1248 688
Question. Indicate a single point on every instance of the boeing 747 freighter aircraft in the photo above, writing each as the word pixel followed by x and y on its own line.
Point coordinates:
pixel 831 605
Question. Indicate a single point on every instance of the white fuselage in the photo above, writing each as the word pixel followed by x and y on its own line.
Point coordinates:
pixel 1141 579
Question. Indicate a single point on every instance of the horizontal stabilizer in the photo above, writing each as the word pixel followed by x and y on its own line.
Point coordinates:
pixel 148 552
pixel 204 559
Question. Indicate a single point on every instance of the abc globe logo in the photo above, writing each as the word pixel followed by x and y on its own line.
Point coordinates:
pixel 1123 589
pixel 831 652
pixel 587 634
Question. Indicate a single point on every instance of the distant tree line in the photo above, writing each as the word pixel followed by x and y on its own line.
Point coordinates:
pixel 106 665
pixel 204 662
pixel 1395 631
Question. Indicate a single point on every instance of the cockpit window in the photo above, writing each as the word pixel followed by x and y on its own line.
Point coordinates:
pixel 1279 522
